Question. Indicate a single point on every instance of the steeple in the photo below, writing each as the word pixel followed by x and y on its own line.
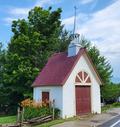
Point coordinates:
pixel 74 46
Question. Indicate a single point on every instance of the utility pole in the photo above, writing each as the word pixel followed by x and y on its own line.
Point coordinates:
pixel 74 20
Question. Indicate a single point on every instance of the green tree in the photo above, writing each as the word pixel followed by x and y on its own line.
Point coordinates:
pixel 2 61
pixel 3 98
pixel 33 41
pixel 110 92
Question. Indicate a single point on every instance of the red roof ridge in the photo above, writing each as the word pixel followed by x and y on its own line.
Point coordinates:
pixel 57 53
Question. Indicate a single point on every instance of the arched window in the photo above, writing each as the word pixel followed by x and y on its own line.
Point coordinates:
pixel 82 78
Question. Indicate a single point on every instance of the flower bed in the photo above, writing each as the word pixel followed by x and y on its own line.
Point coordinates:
pixel 34 109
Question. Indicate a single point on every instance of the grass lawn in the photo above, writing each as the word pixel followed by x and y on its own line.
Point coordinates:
pixel 109 106
pixel 7 119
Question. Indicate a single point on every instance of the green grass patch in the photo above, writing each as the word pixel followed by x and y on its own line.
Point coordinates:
pixel 109 106
pixel 7 119
pixel 116 105
pixel 58 121
pixel 106 107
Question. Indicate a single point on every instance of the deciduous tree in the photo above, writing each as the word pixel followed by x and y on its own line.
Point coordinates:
pixel 33 41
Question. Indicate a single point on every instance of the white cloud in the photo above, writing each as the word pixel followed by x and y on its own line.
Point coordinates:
pixel 81 17
pixel 104 24
pixel 42 2
pixel 46 2
pixel 9 20
pixel 68 21
pixel 16 13
pixel 102 27
pixel 19 11
pixel 86 1
pixel 23 12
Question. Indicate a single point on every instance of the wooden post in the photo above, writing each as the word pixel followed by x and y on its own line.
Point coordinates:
pixel 53 109
pixel 23 114
pixel 18 114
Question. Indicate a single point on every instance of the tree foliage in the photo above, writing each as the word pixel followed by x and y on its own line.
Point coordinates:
pixel 2 62
pixel 33 41
pixel 111 92
pixel 3 97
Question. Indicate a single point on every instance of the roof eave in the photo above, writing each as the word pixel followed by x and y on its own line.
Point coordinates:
pixel 46 85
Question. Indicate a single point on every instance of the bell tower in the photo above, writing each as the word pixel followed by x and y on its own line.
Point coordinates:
pixel 74 45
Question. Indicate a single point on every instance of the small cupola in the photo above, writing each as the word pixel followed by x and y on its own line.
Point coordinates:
pixel 74 45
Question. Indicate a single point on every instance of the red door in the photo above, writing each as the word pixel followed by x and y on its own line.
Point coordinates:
pixel 83 100
pixel 45 96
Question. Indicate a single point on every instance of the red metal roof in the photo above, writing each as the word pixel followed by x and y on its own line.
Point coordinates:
pixel 57 69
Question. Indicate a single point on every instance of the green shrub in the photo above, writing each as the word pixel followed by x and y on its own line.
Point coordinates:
pixel 32 112
pixel 116 104
pixel 57 113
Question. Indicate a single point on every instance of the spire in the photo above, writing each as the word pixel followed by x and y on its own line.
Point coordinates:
pixel 74 20
pixel 74 45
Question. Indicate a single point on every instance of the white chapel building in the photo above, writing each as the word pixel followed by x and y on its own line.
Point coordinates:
pixel 71 79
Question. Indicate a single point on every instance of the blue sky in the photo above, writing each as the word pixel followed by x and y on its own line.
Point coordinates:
pixel 97 20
